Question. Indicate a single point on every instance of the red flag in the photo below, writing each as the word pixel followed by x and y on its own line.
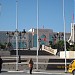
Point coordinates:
pixel 73 17
pixel 44 39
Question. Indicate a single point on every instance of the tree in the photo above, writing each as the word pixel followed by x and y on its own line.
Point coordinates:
pixel 74 47
pixel 2 46
pixel 67 46
pixel 50 43
pixel 60 45
pixel 9 45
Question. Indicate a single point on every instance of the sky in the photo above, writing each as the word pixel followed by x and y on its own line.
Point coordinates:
pixel 50 14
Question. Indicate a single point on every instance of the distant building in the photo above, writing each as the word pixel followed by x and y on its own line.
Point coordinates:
pixel 29 39
pixel 47 35
pixel 3 37
pixel 44 36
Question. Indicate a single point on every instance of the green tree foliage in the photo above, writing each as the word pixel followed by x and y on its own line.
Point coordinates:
pixel 74 47
pixel 9 45
pixel 60 46
pixel 3 45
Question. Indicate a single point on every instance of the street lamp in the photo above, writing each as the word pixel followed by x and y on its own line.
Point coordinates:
pixel 8 44
pixel 29 44
pixel 20 40
pixel 24 31
pixel 40 47
pixel 23 36
pixel 54 39
pixel 62 35
pixel 8 36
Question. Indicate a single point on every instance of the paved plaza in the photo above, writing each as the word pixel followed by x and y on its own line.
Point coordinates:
pixel 40 72
pixel 26 71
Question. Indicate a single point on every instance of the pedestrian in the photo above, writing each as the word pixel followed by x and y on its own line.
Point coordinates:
pixel 1 61
pixel 40 48
pixel 30 65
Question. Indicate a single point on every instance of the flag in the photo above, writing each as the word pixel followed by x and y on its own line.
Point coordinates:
pixel 44 39
pixel 73 17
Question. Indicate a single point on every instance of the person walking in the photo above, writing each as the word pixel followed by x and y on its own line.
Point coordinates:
pixel 30 65
pixel 1 61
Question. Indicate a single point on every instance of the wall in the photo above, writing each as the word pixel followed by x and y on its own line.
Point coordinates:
pixel 69 54
pixel 4 53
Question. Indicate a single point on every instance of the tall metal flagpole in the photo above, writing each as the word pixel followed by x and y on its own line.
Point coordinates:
pixel 16 35
pixel 0 8
pixel 64 36
pixel 37 36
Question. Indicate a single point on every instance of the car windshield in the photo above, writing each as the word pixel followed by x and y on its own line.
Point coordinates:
pixel 72 62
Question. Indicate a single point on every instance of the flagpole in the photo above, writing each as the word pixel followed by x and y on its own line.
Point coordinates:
pixel 0 8
pixel 16 35
pixel 64 35
pixel 37 37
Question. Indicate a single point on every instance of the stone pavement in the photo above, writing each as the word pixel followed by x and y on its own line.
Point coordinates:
pixel 39 72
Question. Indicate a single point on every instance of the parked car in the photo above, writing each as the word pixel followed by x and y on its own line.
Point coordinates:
pixel 71 68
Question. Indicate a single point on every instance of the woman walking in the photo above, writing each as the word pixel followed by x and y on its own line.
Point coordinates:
pixel 30 65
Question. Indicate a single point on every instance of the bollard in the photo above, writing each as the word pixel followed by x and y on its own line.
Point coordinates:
pixel 19 61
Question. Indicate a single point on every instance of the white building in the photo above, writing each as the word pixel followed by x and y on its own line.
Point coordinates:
pixel 72 36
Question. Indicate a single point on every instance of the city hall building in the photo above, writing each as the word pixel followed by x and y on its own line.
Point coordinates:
pixel 29 39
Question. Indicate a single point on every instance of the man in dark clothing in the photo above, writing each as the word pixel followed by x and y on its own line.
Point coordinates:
pixel 1 61
pixel 40 48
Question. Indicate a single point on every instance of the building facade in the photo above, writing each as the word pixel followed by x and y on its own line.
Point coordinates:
pixel 29 39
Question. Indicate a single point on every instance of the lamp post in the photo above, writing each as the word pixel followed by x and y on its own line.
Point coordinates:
pixel 54 39
pixel 62 35
pixel 8 36
pixel 58 36
pixel 23 36
pixel 29 44
pixel 19 60
pixel 20 40
pixel 8 44
pixel 29 41
pixel 39 40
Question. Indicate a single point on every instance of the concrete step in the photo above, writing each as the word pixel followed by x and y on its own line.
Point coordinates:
pixel 45 62
pixel 29 52
pixel 44 66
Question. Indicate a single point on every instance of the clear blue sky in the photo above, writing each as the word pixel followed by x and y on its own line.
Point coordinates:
pixel 50 14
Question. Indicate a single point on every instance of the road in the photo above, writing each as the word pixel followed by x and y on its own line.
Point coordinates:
pixel 7 73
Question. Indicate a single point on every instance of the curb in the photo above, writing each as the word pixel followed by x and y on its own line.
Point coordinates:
pixel 16 71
